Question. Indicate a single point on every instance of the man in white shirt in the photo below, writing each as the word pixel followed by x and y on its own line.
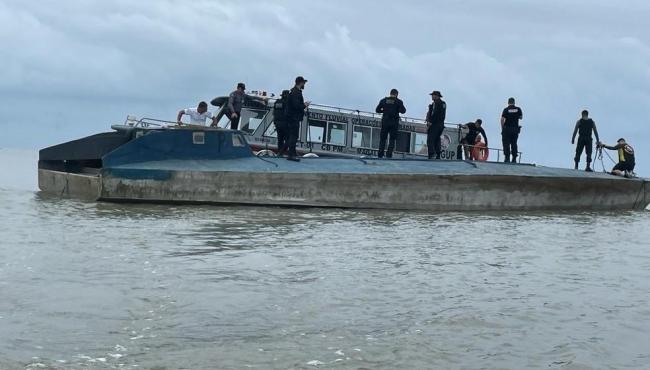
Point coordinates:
pixel 197 115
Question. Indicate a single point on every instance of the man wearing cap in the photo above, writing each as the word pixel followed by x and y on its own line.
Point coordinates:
pixel 236 101
pixel 510 130
pixel 295 114
pixel 435 124
pixel 390 107
pixel 626 162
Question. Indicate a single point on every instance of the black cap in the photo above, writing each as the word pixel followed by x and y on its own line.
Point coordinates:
pixel 436 93
pixel 394 92
pixel 241 85
pixel 300 79
pixel 621 139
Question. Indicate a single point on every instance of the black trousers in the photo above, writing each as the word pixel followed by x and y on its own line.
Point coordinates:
pixel 234 123
pixel 293 130
pixel 586 144
pixel 282 131
pixel 388 130
pixel 509 136
pixel 433 140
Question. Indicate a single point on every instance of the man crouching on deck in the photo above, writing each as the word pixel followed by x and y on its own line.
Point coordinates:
pixel 625 165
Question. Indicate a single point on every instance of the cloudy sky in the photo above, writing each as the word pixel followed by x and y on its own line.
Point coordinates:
pixel 73 67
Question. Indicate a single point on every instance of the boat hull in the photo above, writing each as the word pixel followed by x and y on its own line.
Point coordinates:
pixel 385 191
pixel 217 166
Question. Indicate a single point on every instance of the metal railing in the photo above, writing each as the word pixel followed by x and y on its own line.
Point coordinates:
pixel 499 151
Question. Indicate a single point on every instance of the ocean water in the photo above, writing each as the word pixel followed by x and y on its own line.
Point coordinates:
pixel 88 285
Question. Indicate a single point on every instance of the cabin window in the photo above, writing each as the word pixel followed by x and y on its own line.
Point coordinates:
pixel 251 119
pixel 198 138
pixel 336 133
pixel 365 137
pixel 403 142
pixel 419 145
pixel 316 131
pixel 270 131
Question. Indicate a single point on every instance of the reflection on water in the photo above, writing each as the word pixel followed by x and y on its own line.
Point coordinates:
pixel 101 285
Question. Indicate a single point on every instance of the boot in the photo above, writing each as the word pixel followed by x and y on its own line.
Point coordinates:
pixel 576 166
pixel 588 168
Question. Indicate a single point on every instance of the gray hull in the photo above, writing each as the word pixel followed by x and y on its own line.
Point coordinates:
pixel 386 191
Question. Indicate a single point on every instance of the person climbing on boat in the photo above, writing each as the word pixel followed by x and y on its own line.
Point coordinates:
pixel 585 126
pixel 390 107
pixel 236 101
pixel 197 115
pixel 435 124
pixel 510 130
pixel 475 129
pixel 280 121
pixel 295 115
pixel 626 162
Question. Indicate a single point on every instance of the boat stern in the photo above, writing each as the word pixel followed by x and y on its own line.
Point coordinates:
pixel 69 185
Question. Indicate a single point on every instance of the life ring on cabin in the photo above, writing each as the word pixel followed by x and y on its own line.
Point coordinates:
pixel 480 152
pixel 265 153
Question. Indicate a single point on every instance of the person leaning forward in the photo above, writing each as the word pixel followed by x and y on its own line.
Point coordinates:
pixel 468 142
pixel 197 115
pixel 390 107
pixel 510 130
pixel 435 124
pixel 585 126
pixel 295 114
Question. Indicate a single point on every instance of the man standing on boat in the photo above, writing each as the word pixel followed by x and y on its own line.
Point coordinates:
pixel 280 108
pixel 510 130
pixel 390 107
pixel 626 162
pixel 585 126
pixel 435 124
pixel 295 114
pixel 236 101
pixel 197 115
pixel 475 129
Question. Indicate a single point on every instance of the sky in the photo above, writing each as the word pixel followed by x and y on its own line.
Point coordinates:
pixel 70 68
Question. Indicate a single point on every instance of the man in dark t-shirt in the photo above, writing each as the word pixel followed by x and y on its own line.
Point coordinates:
pixel 468 142
pixel 586 127
pixel 296 106
pixel 390 108
pixel 510 130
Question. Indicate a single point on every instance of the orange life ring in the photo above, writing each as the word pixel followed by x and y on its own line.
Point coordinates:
pixel 480 152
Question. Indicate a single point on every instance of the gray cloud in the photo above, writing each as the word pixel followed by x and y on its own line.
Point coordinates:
pixel 77 66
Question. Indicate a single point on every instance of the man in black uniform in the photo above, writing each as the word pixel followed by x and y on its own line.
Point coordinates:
pixel 390 107
pixel 475 128
pixel 626 162
pixel 510 130
pixel 585 126
pixel 295 114
pixel 280 108
pixel 435 124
